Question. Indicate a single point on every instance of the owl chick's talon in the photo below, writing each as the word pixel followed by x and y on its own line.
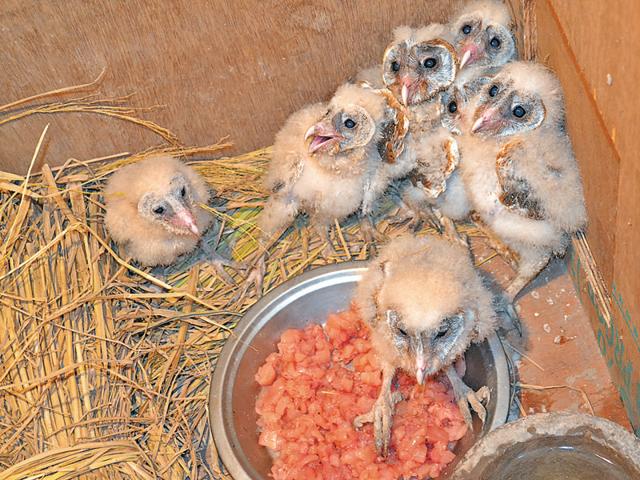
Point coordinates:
pixel 255 279
pixel 507 308
pixel 218 267
pixel 402 215
pixel 369 232
pixel 381 415
pixel 466 396
pixel 218 262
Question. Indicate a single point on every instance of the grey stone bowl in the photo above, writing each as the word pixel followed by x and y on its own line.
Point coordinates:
pixel 554 446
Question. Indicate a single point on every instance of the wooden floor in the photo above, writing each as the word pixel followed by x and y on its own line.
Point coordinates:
pixel 558 347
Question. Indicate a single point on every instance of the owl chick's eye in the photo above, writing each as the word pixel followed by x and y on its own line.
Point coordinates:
pixel 519 112
pixel 495 42
pixel 395 66
pixel 442 332
pixel 159 210
pixel 493 91
pixel 403 332
pixel 430 62
pixel 349 123
pixel 183 192
pixel 452 107
pixel 466 29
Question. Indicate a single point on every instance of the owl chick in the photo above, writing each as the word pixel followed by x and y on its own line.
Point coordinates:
pixel 520 171
pixel 326 158
pixel 419 66
pixel 152 210
pixel 450 199
pixel 425 304
pixel 484 37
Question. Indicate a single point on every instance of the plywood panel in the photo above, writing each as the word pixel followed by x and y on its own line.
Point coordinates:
pixel 598 41
pixel 605 43
pixel 605 39
pixel 598 158
pixel 216 68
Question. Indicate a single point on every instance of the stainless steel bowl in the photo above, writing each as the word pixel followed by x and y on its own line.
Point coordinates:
pixel 302 300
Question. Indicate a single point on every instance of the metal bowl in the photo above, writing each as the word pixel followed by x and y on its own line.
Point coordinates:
pixel 554 446
pixel 308 298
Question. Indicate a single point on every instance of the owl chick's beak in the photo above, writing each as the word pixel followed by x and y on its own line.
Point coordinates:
pixel 470 54
pixel 323 137
pixel 421 361
pixel 183 219
pixel 488 118
pixel 408 90
pixel 405 94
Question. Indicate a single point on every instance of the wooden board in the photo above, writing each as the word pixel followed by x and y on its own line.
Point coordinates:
pixel 599 161
pixel 216 68
pixel 591 45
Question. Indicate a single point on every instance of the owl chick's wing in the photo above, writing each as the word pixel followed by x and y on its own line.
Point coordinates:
pixel 437 157
pixel 290 149
pixel 540 180
pixel 517 192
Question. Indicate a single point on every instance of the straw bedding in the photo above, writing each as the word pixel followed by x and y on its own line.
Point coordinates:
pixel 105 367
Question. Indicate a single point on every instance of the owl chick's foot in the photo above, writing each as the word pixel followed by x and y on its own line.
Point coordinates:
pixel 218 262
pixel 381 415
pixel 505 306
pixel 255 279
pixel 328 250
pixel 402 215
pixel 450 230
pixel 465 396
pixel 369 232
pixel 415 219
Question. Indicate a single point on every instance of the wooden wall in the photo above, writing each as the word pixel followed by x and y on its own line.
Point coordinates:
pixel 593 46
pixel 217 68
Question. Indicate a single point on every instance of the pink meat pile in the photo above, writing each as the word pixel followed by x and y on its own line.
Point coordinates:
pixel 318 381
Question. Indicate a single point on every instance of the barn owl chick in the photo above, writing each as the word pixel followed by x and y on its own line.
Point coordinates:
pixel 419 66
pixel 520 171
pixel 153 210
pixel 326 161
pixel 425 304
pixel 483 35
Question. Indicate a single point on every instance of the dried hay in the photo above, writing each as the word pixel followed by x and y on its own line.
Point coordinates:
pixel 101 374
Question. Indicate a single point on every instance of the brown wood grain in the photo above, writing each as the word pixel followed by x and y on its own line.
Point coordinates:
pixel 598 158
pixel 605 42
pixel 216 68
pixel 594 45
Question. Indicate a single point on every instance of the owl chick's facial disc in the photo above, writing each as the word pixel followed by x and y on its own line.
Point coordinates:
pixel 341 129
pixel 483 35
pixel 521 98
pixel 172 208
pixel 425 329
pixel 429 349
pixel 419 66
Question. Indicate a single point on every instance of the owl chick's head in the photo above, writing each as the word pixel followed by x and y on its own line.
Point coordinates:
pixel 484 35
pixel 419 63
pixel 453 109
pixel 163 190
pixel 523 97
pixel 357 117
pixel 455 113
pixel 420 295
